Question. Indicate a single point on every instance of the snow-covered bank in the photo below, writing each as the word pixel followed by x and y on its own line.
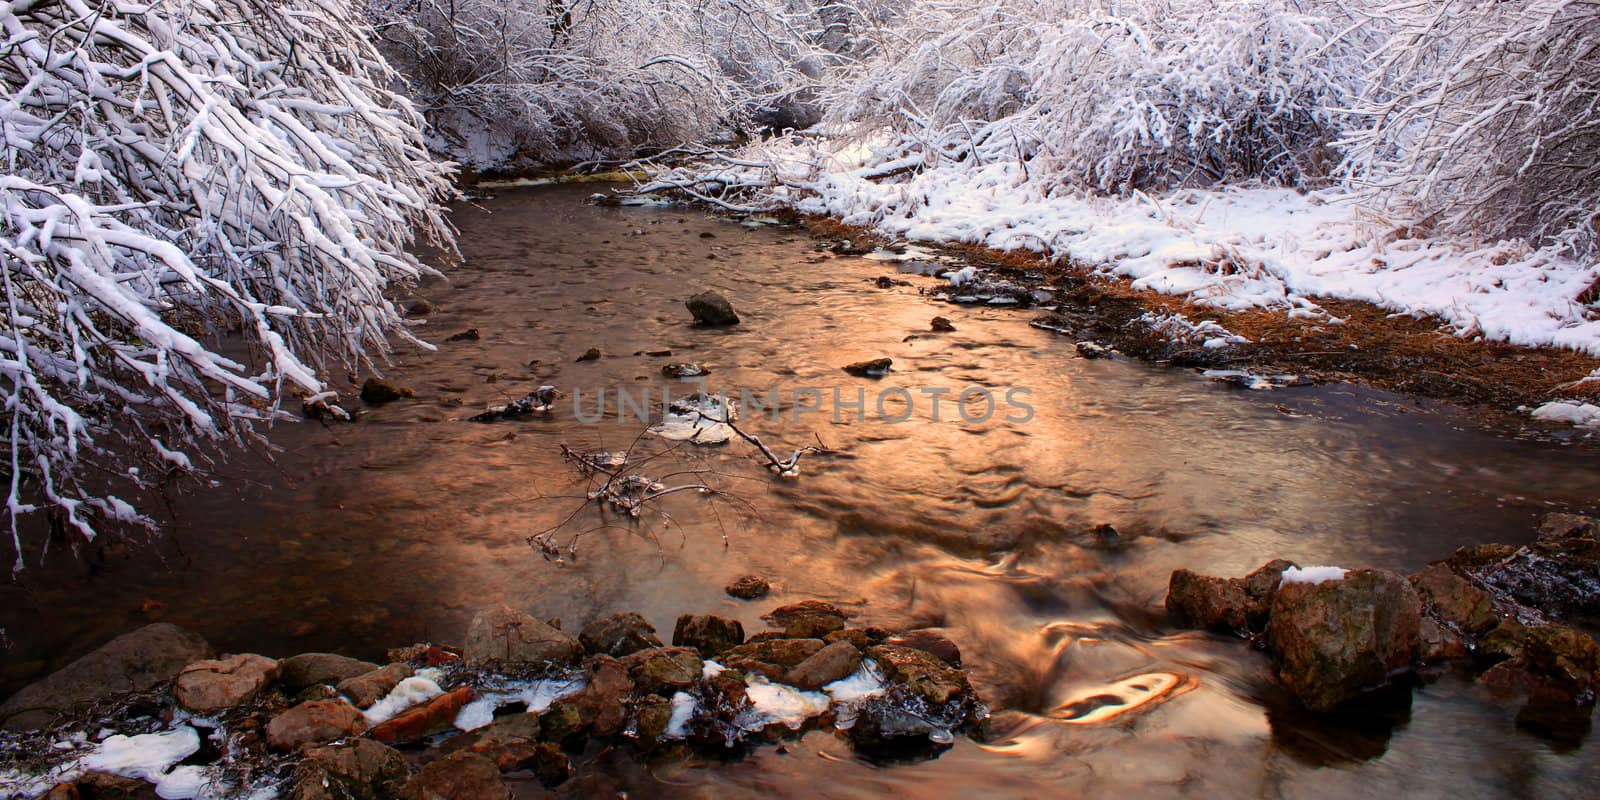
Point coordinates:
pixel 1231 248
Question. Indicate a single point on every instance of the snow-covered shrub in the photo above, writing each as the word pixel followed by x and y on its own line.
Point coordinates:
pixel 519 83
pixel 201 207
pixel 1484 118
pixel 1118 96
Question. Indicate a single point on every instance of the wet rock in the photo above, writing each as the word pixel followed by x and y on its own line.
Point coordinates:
pixel 1260 585
pixel 377 390
pixel 468 335
pixel 209 686
pixel 602 701
pixel 825 666
pixel 748 587
pixel 1558 574
pixel 357 770
pixel 685 370
pixel 711 635
pixel 929 641
pixel 424 718
pixel 592 354
pixel 420 307
pixel 503 634
pixel 872 368
pixel 106 786
pixel 770 657
pixel 314 723
pixel 652 715
pixel 458 776
pixel 711 308
pixel 1206 602
pixel 510 741
pixel 862 638
pixel 133 662
pixel 1333 640
pixel 423 654
pixel 942 325
pixel 1557 672
pixel 664 669
pixel 370 687
pixel 922 672
pixel 619 635
pixel 1454 599
pixel 1438 642
pixel 562 722
pixel 1503 641
pixel 550 765
pixel 311 669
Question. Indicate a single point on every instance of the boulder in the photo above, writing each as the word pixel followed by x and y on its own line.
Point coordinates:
pixel 748 587
pixel 712 309
pixel 825 666
pixel 370 687
pixel 314 722
pixel 922 672
pixel 1454 599
pixel 618 635
pixel 360 769
pixel 503 634
pixel 133 662
pixel 209 686
pixel 318 669
pixel 664 669
pixel 711 635
pixel 1502 642
pixel 929 641
pixel 1333 640
pixel 1207 603
pixel 424 718
pixel 458 776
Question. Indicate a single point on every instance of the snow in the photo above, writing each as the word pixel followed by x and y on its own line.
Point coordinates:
pixel 1313 575
pixel 777 704
pixel 865 683
pixel 1572 412
pixel 683 708
pixel 536 695
pixel 409 692
pixel 711 669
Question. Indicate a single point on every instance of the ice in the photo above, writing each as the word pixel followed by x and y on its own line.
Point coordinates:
pixel 711 669
pixel 407 693
pixel 536 695
pixel 683 708
pixel 866 682
pixel 1313 575
pixel 1572 412
pixel 700 419
pixel 775 703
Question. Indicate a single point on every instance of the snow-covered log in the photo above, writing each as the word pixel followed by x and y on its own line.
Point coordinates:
pixel 202 205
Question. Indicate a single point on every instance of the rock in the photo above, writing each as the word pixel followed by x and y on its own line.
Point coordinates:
pixel 929 641
pixel 709 634
pixel 312 669
pixel 468 335
pixel 360 769
pixel 424 654
pixel 1207 603
pixel 592 354
pixel 1559 573
pixel 106 786
pixel 652 714
pixel 1558 673
pixel 562 722
pixel 664 669
pixel 618 635
pixel 712 309
pixel 424 718
pixel 827 665
pixel 419 307
pixel 1503 641
pixel 133 662
pixel 1454 599
pixel 314 723
pixel 370 687
pixel 1259 587
pixel 872 368
pixel 503 634
pixel 749 587
pixel 377 390
pixel 771 657
pixel 458 776
pixel 923 673
pixel 510 741
pixel 1333 640
pixel 685 370
pixel 205 687
pixel 601 703
pixel 63 791
pixel 550 765
pixel 942 325
pixel 862 638
pixel 1438 642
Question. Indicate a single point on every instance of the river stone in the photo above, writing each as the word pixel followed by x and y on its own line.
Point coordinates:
pixel 562 722
pixel 748 587
pixel 652 714
pixel 929 641
pixel 315 669
pixel 1206 602
pixel 549 764
pixel 770 657
pixel 1333 640
pixel 377 390
pixel 205 687
pixel 862 638
pixel 370 687
pixel 825 666
pixel 618 635
pixel 1259 587
pixel 1454 599
pixel 1558 672
pixel 458 776
pixel 921 672
pixel 941 325
pixel 1503 641
pixel 601 703
pixel 1438 642
pixel 664 669
pixel 424 718
pixel 711 308
pixel 133 662
pixel 509 741
pixel 711 635
pixel 360 769
pixel 1559 573
pixel 314 723
pixel 503 634
pixel 106 786
pixel 871 368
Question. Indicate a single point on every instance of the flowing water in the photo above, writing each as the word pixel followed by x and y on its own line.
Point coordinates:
pixel 396 528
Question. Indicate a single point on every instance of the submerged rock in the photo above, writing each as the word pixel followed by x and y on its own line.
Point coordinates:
pixel 206 687
pixel 712 309
pixel 133 662
pixel 592 354
pixel 504 634
pixel 511 741
pixel 711 635
pixel 458 776
pixel 1334 640
pixel 619 635
pixel 1557 673
pixel 360 769
pixel 748 587
pixel 314 722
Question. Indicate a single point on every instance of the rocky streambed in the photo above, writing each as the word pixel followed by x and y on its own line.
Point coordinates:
pixel 520 705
